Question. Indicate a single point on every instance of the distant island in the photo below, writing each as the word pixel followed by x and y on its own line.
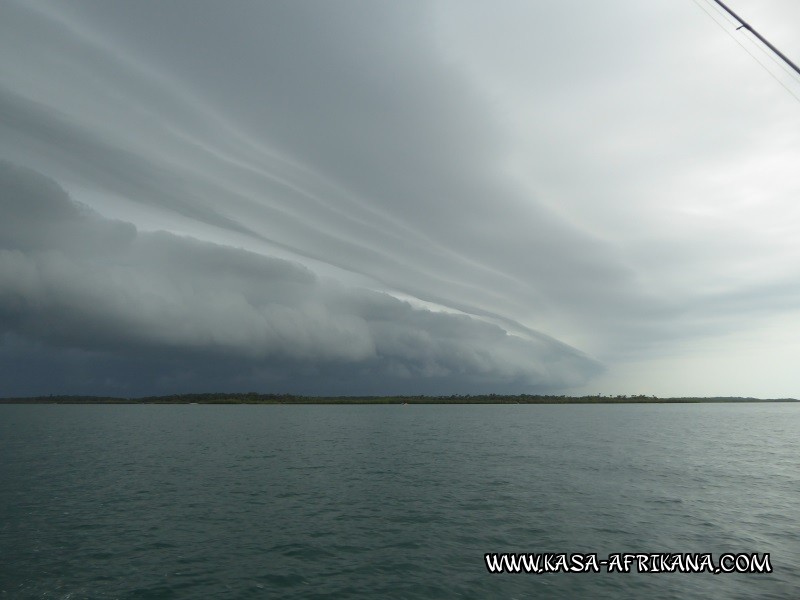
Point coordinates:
pixel 255 398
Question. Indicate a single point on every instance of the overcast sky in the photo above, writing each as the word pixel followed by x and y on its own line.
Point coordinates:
pixel 366 197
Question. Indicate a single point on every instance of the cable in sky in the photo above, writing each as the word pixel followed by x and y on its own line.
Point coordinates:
pixel 759 36
pixel 781 65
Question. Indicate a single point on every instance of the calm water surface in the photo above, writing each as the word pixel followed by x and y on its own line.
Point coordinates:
pixel 305 502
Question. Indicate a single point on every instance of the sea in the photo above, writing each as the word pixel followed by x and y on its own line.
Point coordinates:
pixel 392 501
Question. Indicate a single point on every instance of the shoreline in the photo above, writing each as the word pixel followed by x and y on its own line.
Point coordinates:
pixel 252 398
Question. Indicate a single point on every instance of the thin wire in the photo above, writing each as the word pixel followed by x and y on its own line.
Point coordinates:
pixel 753 42
pixel 715 8
pixel 774 59
pixel 731 21
pixel 755 58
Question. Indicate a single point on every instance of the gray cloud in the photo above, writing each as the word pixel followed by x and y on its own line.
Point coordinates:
pixel 610 177
pixel 74 282
pixel 403 183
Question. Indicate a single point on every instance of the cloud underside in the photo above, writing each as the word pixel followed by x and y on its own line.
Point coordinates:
pixel 331 160
pixel 89 304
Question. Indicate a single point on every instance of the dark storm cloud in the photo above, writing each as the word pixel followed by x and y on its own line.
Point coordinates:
pixel 404 183
pixel 114 169
pixel 102 297
pixel 599 174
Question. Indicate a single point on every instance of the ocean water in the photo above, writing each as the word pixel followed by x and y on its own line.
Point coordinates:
pixel 303 502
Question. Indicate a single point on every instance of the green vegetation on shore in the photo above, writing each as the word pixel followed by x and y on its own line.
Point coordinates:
pixel 254 398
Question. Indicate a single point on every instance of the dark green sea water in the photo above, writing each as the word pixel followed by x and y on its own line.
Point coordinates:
pixel 305 502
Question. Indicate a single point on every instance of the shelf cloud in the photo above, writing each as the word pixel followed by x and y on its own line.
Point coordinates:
pixel 73 280
pixel 416 197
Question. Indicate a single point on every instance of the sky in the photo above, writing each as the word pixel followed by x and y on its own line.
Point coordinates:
pixel 418 197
